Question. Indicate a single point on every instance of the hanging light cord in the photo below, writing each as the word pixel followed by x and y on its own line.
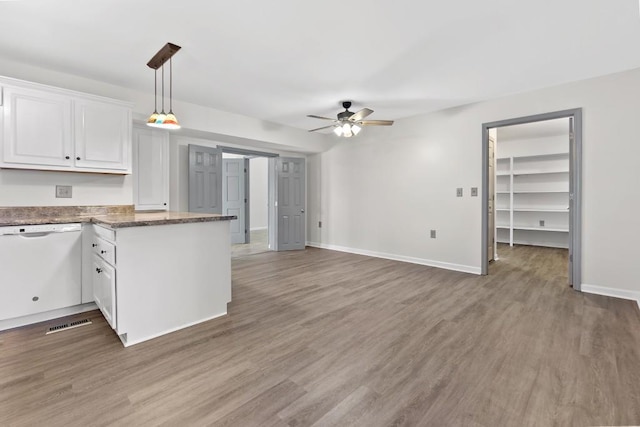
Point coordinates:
pixel 170 86
pixel 162 88
pixel 155 91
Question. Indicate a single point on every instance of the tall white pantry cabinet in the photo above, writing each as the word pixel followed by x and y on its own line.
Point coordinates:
pixel 532 195
pixel 150 168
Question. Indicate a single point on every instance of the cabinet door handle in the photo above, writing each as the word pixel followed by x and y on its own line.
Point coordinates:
pixel 67 157
pixel 93 245
pixel 77 158
pixel 98 270
pixel 103 252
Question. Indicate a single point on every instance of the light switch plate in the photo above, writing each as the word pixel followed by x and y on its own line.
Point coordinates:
pixel 433 234
pixel 474 191
pixel 63 191
pixel 458 192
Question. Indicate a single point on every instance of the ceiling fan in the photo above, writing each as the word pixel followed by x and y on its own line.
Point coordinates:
pixel 348 123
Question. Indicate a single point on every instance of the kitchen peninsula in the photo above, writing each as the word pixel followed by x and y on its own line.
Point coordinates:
pixel 149 273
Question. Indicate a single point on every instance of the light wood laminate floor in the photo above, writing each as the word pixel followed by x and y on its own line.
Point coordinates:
pixel 318 337
pixel 259 242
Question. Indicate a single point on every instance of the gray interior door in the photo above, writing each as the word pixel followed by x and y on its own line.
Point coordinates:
pixel 291 203
pixel 234 199
pixel 205 179
pixel 492 196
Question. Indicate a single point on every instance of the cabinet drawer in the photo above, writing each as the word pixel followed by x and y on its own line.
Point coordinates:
pixel 105 233
pixel 105 250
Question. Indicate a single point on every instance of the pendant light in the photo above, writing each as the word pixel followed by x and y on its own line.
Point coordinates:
pixel 162 119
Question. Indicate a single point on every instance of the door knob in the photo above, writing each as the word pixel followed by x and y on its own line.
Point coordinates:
pixel 302 210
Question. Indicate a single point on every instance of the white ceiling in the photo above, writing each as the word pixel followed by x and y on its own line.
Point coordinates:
pixel 280 60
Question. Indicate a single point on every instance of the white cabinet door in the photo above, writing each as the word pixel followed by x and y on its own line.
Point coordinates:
pixel 37 128
pixel 150 169
pixel 104 289
pixel 102 135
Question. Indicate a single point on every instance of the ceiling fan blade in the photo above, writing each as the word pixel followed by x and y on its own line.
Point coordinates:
pixel 376 122
pixel 356 117
pixel 324 127
pixel 320 117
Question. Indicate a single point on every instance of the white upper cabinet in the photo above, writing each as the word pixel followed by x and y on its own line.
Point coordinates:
pixel 37 128
pixel 102 135
pixel 48 128
pixel 150 169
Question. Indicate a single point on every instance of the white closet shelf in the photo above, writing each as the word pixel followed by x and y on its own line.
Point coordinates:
pixel 532 191
pixel 538 191
pixel 556 230
pixel 538 172
pixel 503 227
pixel 503 173
pixel 540 210
pixel 537 156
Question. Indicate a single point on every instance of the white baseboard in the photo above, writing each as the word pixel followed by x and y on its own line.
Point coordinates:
pixel 394 257
pixel 612 292
pixel 47 315
pixel 258 228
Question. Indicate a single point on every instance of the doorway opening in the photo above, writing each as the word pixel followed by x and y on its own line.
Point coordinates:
pixel 531 187
pixel 221 181
pixel 245 194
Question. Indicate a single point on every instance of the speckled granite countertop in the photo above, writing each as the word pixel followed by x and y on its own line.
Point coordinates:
pixel 119 216
pixel 138 219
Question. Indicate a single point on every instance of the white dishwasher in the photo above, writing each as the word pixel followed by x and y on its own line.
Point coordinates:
pixel 40 268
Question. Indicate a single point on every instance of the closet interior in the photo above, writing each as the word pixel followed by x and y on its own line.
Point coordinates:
pixel 531 183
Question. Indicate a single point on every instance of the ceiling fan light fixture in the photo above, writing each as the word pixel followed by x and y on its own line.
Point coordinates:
pixel 338 130
pixel 355 129
pixel 346 130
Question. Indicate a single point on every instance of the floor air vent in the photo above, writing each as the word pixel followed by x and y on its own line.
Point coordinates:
pixel 70 325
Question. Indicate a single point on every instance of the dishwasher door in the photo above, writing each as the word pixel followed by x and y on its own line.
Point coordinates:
pixel 39 268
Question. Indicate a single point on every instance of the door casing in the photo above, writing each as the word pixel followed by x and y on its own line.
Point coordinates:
pixel 575 187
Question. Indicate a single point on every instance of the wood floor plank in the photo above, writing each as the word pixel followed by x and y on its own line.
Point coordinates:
pixel 318 337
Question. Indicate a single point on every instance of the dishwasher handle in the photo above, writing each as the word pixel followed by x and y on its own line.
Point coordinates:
pixel 33 235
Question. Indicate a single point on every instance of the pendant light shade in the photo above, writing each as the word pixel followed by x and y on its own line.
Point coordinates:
pixel 163 120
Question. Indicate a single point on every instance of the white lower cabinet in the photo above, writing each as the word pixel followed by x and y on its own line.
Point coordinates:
pixel 103 272
pixel 104 289
pixel 152 280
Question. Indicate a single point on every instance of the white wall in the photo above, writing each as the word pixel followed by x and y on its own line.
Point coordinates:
pixel 382 191
pixel 35 188
pixel 38 188
pixel 258 192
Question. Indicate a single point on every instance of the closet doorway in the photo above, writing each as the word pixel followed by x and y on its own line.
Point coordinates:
pixel 531 190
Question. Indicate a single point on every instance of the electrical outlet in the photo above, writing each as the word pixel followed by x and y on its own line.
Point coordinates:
pixel 458 192
pixel 542 223
pixel 63 191
pixel 319 224
pixel 474 191
pixel 433 234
